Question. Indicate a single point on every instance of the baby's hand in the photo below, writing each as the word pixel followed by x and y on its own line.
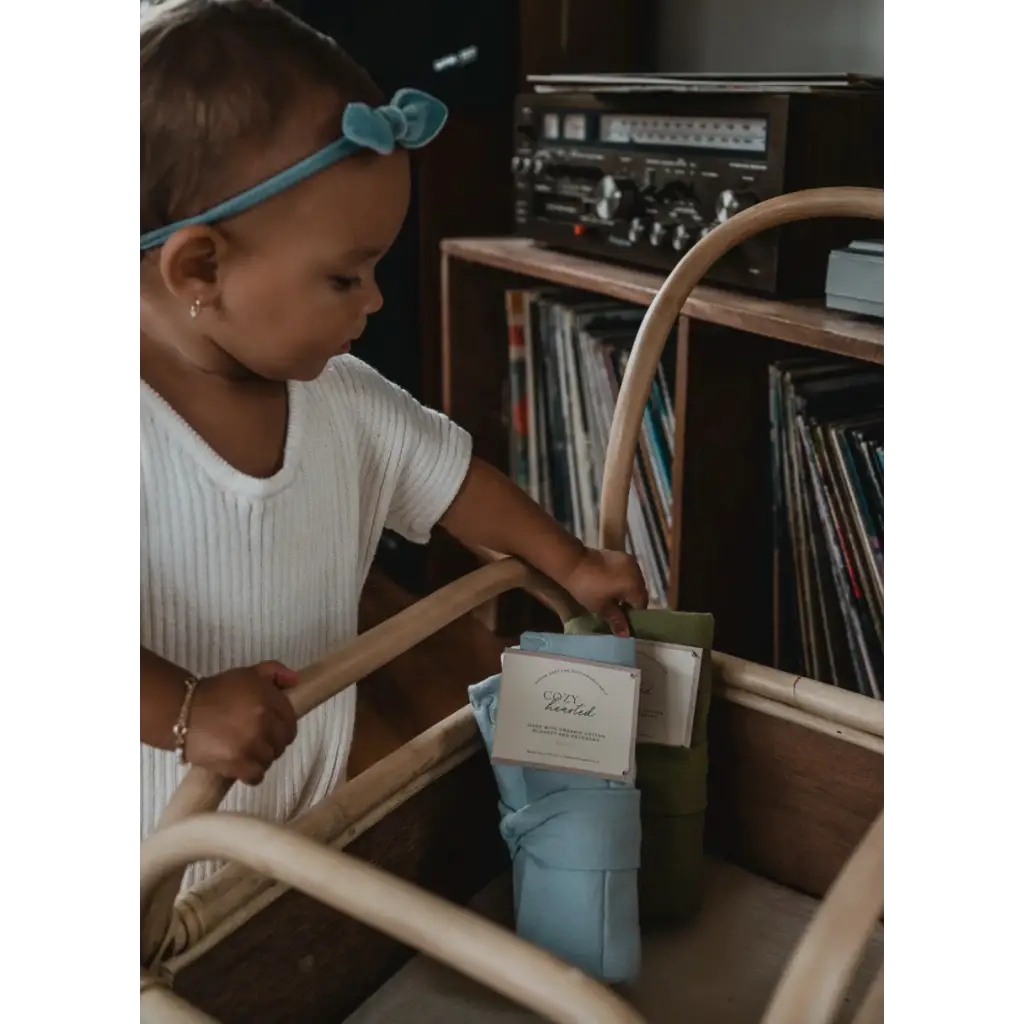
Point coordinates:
pixel 241 722
pixel 603 581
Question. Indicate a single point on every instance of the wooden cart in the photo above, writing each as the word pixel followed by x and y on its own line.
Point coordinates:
pixel 409 850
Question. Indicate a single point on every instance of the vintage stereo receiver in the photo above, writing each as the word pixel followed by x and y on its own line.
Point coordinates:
pixel 639 177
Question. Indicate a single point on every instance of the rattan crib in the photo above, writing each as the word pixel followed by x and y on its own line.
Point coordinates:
pixel 790 927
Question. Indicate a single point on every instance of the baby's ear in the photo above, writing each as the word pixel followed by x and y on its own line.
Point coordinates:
pixel 191 261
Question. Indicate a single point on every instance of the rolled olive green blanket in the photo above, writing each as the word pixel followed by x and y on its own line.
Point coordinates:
pixel 672 780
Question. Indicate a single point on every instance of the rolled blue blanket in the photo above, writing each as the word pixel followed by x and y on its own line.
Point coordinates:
pixel 574 839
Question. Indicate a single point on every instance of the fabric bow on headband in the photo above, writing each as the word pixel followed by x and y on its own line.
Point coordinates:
pixel 410 120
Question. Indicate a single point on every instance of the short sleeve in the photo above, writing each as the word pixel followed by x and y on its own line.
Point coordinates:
pixel 414 460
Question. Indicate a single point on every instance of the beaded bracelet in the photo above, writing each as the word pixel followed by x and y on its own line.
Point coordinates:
pixel 180 730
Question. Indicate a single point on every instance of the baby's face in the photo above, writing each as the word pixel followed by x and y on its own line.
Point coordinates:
pixel 296 284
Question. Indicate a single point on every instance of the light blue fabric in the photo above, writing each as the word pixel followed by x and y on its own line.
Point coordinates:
pixel 574 840
pixel 410 120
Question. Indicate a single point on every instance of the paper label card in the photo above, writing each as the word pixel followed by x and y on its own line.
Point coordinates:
pixel 567 714
pixel 668 692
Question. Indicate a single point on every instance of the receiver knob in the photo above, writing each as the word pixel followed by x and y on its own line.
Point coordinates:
pixel 681 238
pixel 614 197
pixel 729 203
pixel 636 229
pixel 657 235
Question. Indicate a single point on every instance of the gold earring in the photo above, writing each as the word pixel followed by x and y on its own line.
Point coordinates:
pixel 194 309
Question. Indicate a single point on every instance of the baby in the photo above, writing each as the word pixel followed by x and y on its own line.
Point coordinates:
pixel 274 177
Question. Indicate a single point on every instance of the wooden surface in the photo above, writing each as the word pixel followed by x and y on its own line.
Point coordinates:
pixel 803 322
pixel 721 969
pixel 785 802
pixel 422 686
pixel 724 547
pixel 298 960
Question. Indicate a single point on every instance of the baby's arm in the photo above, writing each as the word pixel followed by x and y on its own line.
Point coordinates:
pixel 418 471
pixel 239 722
pixel 491 511
pixel 161 695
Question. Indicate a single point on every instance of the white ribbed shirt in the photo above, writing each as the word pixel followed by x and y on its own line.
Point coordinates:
pixel 237 570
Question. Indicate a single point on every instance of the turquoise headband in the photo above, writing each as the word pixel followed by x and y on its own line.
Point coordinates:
pixel 411 120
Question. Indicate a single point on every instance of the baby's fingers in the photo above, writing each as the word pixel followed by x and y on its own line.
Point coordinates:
pixel 278 674
pixel 636 594
pixel 616 619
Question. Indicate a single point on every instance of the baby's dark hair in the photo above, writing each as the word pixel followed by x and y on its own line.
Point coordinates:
pixel 219 78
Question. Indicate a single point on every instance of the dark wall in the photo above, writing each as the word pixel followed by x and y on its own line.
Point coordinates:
pixel 397 41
